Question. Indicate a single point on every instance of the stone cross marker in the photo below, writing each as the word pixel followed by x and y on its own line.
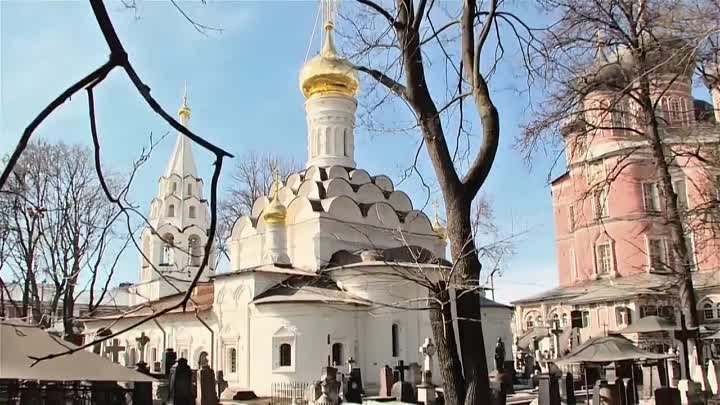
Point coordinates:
pixel 428 351
pixel 400 370
pixel 142 341
pixel 114 350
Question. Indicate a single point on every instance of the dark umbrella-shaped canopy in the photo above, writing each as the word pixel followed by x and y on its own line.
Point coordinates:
pixel 607 349
pixel 650 324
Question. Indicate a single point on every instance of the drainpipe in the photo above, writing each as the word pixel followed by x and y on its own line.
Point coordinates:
pixel 164 336
pixel 212 338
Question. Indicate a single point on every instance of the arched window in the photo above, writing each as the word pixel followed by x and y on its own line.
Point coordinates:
pixel 168 253
pixel 192 212
pixel 674 110
pixel 194 250
pixel 619 122
pixel 171 210
pixel 232 360
pixel 173 187
pixel 395 330
pixel 564 321
pixel 708 312
pixel 285 355
pixel 529 323
pixel 337 354
pixel 555 321
pixel 188 192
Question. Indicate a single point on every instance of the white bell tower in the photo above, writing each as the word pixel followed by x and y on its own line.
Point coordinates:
pixel 173 244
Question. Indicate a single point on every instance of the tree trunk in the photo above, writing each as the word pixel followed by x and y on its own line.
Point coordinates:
pixel 681 267
pixel 466 282
pixel 443 329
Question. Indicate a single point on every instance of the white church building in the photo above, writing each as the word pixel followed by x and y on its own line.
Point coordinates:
pixel 328 267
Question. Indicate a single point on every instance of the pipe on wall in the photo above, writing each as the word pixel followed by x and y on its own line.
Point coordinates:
pixel 212 339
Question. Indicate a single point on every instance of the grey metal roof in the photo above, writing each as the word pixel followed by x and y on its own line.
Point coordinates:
pixel 308 289
pixel 607 289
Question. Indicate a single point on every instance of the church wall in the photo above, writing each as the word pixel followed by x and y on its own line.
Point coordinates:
pixel 306 328
pixel 183 332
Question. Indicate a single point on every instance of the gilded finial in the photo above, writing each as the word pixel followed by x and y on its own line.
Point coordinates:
pixel 275 212
pixel 437 226
pixel 184 111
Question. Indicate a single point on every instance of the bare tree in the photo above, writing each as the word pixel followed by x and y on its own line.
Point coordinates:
pixel 118 59
pixel 71 234
pixel 396 46
pixel 616 71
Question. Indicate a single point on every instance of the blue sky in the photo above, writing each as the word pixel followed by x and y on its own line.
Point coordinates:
pixel 244 96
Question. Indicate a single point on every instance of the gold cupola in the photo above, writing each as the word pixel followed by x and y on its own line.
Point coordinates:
pixel 328 73
pixel 275 212
pixel 184 111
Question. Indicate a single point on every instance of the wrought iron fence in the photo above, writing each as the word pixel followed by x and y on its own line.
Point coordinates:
pixel 14 392
pixel 285 393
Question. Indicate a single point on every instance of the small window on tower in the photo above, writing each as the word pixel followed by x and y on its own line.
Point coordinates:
pixel 189 190
pixel 192 212
pixel 171 210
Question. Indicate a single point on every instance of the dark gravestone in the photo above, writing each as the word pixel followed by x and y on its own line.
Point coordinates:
pixel 567 389
pixel 142 391
pixel 168 360
pixel 630 391
pixel 354 389
pixel 667 396
pixel 549 390
pixel 620 394
pixel 180 384
pixel 220 381
pixel 206 386
pixel 402 390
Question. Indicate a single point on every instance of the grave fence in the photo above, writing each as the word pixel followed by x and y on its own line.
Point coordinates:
pixel 13 392
pixel 283 393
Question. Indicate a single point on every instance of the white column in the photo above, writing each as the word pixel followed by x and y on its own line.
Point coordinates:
pixel 275 250
pixel 329 119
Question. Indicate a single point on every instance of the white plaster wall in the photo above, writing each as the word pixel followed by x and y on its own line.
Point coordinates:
pixel 496 323
pixel 183 332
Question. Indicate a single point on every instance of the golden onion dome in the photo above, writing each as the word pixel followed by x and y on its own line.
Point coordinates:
pixel 275 212
pixel 328 73
pixel 184 111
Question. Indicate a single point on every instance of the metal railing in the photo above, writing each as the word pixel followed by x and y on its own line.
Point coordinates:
pixel 283 393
